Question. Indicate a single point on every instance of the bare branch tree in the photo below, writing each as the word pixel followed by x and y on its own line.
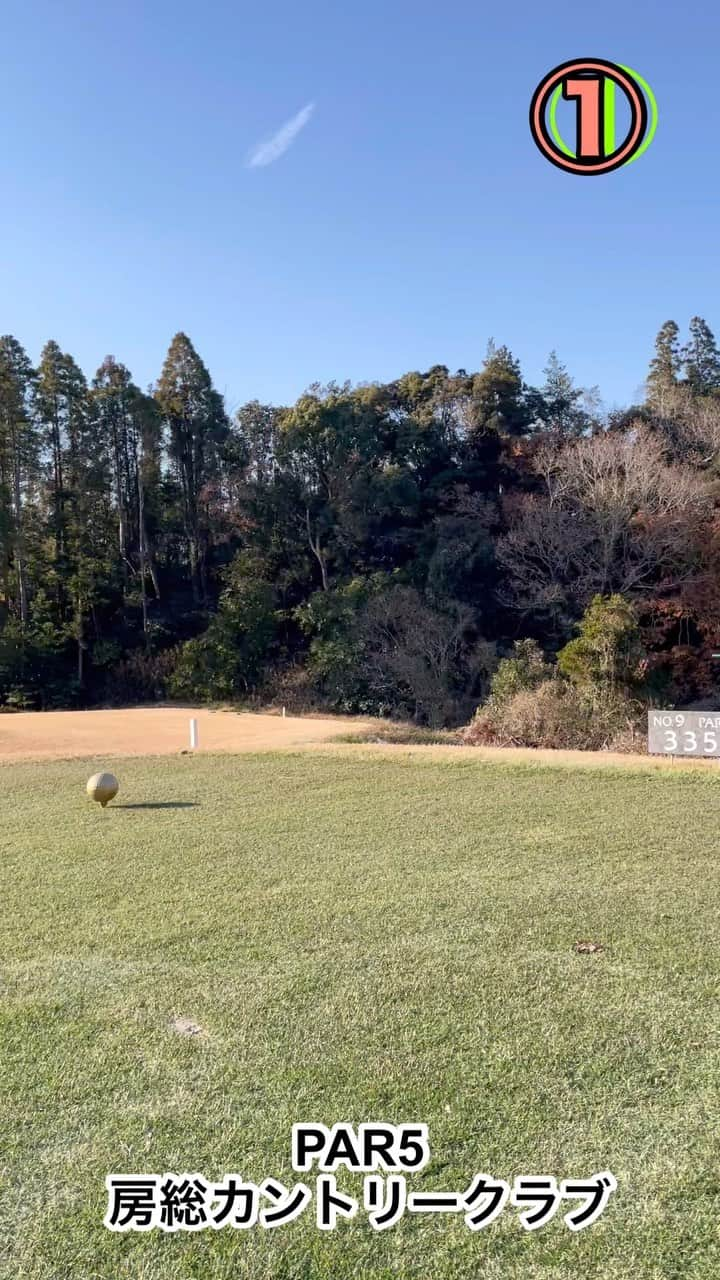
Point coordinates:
pixel 614 516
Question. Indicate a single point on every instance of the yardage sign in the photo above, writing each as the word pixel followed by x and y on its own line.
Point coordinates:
pixel 684 733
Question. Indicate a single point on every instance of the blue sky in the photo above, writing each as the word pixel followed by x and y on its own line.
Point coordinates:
pixel 411 219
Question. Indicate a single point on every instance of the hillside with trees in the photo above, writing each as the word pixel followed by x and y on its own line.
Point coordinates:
pixel 418 549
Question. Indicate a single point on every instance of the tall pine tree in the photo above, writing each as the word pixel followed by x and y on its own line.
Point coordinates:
pixel 665 366
pixel 89 541
pixel 129 426
pixel 499 394
pixel 51 415
pixel 560 402
pixel 19 469
pixel 702 359
pixel 197 426
pixel 78 491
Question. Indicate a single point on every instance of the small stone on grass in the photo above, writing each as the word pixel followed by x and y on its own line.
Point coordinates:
pixel 185 1027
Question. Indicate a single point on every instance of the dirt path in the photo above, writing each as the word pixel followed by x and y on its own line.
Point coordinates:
pixel 147 731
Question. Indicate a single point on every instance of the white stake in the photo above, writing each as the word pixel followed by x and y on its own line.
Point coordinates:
pixel 283 713
pixel 193 735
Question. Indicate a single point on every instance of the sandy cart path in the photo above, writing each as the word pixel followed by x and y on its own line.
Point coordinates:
pixel 53 735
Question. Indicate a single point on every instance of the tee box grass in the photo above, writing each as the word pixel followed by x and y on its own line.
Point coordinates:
pixel 359 938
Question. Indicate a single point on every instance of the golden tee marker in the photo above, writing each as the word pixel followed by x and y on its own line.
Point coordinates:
pixel 103 787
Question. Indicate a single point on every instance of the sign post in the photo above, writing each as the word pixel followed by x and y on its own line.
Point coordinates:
pixel 684 733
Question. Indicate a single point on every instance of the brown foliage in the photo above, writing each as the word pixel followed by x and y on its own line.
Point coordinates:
pixel 558 715
pixel 613 516
pixel 141 677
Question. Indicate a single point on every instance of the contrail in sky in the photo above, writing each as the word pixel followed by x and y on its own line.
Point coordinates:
pixel 268 152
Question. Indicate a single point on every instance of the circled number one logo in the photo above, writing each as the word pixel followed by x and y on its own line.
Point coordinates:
pixel 597 88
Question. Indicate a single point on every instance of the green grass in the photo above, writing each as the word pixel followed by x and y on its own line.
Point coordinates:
pixel 361 938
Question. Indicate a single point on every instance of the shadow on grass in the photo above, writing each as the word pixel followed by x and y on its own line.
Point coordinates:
pixel 161 804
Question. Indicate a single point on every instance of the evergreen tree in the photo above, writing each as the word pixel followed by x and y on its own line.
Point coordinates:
pixel 499 394
pixel 665 366
pixel 148 435
pixel 256 436
pixel 88 512
pixel 702 359
pixel 51 416
pixel 560 406
pixel 197 426
pixel 129 427
pixel 79 484
pixel 19 465
pixel 112 394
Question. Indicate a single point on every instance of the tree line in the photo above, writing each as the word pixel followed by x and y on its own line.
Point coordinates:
pixel 379 548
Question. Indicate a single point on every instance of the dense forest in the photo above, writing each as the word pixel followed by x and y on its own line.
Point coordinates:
pixel 415 549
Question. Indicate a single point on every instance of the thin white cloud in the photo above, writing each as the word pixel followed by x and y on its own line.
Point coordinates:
pixel 268 152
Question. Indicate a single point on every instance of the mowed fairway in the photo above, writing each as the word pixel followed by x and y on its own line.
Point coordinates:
pixel 360 937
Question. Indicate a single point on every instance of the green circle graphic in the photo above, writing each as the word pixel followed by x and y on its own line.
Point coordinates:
pixel 554 124
pixel 652 102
